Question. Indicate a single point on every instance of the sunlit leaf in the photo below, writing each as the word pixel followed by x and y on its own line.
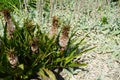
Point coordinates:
pixel 50 74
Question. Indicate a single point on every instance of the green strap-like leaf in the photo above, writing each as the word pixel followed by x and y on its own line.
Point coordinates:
pixel 70 58
pixel 75 64
pixel 50 74
pixel 41 73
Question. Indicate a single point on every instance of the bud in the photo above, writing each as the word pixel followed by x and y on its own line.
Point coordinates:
pixel 34 47
pixel 12 58
pixel 29 25
pixel 34 44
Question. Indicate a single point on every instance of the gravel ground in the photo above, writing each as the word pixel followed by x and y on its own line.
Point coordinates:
pixel 101 63
pixel 100 67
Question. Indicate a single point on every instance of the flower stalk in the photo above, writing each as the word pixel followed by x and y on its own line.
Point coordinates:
pixel 54 28
pixel 64 37
pixel 10 25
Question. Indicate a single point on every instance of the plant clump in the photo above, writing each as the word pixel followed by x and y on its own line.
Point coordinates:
pixel 17 52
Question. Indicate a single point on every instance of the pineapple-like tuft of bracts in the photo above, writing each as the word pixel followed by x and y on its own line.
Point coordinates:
pixel 64 37
pixel 54 28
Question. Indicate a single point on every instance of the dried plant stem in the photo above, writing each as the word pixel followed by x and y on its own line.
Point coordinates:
pixel 55 6
pixel 51 7
pixel 26 3
pixel 57 3
pixel 61 5
pixel 20 4
pixel 76 6
pixel 40 10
